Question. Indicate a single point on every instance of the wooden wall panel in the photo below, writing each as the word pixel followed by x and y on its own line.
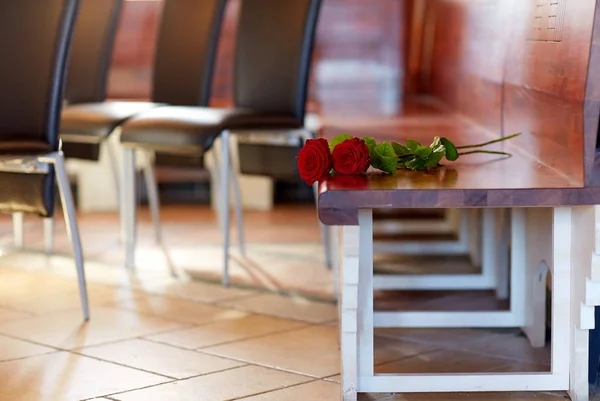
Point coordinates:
pixel 545 85
pixel 470 44
pixel 517 66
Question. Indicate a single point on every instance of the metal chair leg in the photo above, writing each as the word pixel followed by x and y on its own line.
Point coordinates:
pixel 49 235
pixel 153 200
pixel 128 207
pixel 225 203
pixel 114 162
pixel 72 229
pixel 237 201
pixel 18 230
pixel 216 172
pixel 237 204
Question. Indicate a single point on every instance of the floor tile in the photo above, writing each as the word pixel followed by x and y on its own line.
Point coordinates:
pixel 442 337
pixel 312 351
pixel 197 291
pixel 227 385
pixel 98 295
pixel 443 361
pixel 67 377
pixel 160 358
pixel 7 314
pixel 178 309
pixel 225 331
pixel 67 330
pixel 11 348
pixel 513 345
pixel 314 391
pixel 287 307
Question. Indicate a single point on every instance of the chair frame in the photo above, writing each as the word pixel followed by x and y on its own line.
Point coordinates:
pixel 40 164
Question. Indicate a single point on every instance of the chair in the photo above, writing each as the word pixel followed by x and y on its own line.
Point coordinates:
pixel 91 50
pixel 273 54
pixel 35 38
pixel 185 54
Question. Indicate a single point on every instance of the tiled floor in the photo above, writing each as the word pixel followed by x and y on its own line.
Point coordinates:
pixel 155 337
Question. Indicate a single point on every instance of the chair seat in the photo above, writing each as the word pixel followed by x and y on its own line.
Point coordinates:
pixel 93 122
pixel 192 130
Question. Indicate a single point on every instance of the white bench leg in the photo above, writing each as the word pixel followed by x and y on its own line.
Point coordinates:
pixel 349 313
pixel 585 294
pixel 357 321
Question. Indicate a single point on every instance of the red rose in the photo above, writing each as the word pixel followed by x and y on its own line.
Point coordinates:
pixel 314 160
pixel 351 157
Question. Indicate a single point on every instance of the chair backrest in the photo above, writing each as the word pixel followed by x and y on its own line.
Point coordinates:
pixel 35 37
pixel 186 51
pixel 273 56
pixel 91 52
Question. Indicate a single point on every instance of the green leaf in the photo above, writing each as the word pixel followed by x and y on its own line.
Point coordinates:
pixel 412 145
pixel 371 145
pixel 385 158
pixel 339 139
pixel 423 152
pixel 451 151
pixel 436 157
pixel 416 164
pixel 400 150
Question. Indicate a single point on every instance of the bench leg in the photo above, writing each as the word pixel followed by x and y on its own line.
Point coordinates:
pixel 585 294
pixel 349 313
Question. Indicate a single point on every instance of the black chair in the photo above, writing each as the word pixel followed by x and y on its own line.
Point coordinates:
pixel 35 39
pixel 183 71
pixel 273 54
pixel 91 51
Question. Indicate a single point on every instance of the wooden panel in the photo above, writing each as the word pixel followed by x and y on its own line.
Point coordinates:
pixel 517 66
pixel 469 49
pixel 546 72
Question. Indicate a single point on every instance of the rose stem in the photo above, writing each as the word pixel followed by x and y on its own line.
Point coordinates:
pixel 489 143
pixel 489 152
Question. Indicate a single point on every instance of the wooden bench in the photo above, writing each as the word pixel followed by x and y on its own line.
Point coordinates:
pixel 496 68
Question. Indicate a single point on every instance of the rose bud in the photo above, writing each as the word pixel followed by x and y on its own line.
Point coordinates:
pixel 314 160
pixel 351 157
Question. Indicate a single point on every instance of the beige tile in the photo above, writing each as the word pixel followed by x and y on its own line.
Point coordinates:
pixel 224 331
pixel 67 330
pixel 287 307
pixel 67 377
pixel 159 358
pixel 227 385
pixel 178 309
pixel 99 295
pixel 11 348
pixel 196 291
pixel 443 361
pixel 312 350
pixel 314 391
pixel 513 345
pixel 7 314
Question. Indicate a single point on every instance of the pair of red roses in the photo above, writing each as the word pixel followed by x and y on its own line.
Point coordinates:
pixel 316 160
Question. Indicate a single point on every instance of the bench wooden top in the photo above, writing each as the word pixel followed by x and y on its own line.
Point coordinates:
pixel 472 181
